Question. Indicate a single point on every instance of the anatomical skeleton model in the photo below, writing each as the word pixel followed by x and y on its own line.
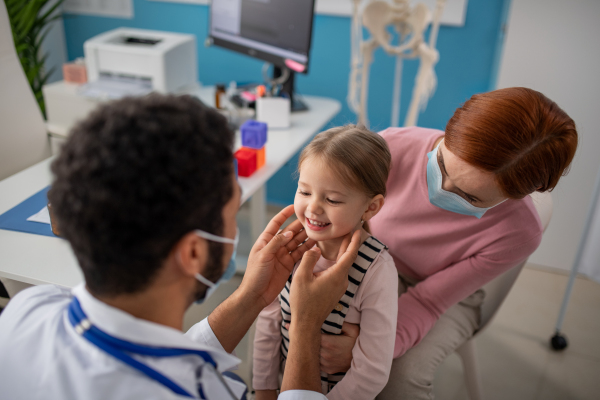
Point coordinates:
pixel 410 23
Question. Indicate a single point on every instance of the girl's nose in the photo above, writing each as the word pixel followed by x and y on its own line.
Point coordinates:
pixel 314 207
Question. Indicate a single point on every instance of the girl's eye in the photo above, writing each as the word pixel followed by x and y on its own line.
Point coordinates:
pixel 333 201
pixel 303 193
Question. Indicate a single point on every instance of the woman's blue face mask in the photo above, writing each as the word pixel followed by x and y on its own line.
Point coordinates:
pixel 229 272
pixel 443 199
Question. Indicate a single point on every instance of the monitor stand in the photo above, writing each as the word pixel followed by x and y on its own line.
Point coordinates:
pixel 288 89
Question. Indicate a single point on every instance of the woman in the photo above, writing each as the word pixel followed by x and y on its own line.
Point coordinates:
pixel 458 215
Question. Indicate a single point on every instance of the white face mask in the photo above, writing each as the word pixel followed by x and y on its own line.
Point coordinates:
pixel 229 272
pixel 447 200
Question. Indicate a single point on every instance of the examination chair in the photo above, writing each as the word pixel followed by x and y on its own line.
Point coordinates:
pixel 23 138
pixel 495 293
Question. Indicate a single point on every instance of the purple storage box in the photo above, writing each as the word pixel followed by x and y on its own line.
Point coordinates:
pixel 254 134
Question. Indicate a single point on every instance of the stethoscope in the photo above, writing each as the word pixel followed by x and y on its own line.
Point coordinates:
pixel 121 349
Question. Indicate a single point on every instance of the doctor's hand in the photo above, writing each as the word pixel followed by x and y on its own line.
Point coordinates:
pixel 270 264
pixel 273 257
pixel 314 295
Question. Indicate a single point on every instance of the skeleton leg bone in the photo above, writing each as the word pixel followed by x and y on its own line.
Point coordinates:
pixel 367 50
pixel 425 83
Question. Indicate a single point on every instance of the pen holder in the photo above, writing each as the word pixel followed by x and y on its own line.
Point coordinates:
pixel 275 111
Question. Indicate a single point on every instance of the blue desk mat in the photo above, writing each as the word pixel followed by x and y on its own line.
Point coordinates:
pixel 15 219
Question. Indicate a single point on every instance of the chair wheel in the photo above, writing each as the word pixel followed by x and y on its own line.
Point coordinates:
pixel 558 342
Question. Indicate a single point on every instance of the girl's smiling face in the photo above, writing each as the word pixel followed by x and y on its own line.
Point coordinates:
pixel 325 205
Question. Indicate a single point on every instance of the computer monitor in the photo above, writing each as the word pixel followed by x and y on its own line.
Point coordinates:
pixel 276 31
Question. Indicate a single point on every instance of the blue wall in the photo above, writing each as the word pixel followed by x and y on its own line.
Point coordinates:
pixel 468 58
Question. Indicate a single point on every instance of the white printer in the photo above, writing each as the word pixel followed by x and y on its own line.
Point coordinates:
pixel 164 62
pixel 122 62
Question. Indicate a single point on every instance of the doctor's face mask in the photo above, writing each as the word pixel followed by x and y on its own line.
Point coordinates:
pixel 229 272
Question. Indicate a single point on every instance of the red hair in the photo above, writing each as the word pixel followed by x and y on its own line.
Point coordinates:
pixel 518 134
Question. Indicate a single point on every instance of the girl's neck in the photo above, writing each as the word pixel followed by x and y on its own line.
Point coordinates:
pixel 330 248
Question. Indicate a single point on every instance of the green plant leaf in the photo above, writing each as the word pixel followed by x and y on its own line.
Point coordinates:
pixel 27 16
pixel 40 38
pixel 32 73
pixel 30 25
pixel 44 18
pixel 47 75
pixel 21 48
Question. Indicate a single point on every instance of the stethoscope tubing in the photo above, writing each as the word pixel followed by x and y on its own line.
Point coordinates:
pixel 119 348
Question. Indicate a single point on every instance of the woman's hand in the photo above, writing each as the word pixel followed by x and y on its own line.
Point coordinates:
pixel 336 350
pixel 273 257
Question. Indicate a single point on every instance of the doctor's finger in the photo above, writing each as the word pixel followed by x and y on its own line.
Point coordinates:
pixel 272 229
pixel 277 243
pixel 345 260
pixel 307 265
pixel 300 250
pixel 295 226
pixel 297 240
pixel 277 221
pixel 344 246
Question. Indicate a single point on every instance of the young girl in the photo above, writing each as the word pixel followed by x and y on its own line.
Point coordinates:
pixel 342 184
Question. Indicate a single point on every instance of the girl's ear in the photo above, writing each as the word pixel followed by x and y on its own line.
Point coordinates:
pixel 373 208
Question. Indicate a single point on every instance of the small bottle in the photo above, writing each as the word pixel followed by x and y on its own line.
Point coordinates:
pixel 219 92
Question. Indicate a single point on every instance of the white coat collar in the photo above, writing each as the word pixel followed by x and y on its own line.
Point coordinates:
pixel 124 326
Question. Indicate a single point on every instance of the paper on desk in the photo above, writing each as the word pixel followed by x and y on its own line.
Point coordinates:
pixel 43 216
pixel 115 87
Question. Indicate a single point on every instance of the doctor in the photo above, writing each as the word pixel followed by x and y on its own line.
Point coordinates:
pixel 145 193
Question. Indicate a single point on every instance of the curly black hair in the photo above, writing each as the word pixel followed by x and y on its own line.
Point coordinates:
pixel 133 178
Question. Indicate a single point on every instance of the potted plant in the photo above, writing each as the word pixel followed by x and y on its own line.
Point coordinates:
pixel 30 22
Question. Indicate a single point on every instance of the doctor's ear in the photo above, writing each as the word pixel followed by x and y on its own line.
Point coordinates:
pixel 373 208
pixel 191 254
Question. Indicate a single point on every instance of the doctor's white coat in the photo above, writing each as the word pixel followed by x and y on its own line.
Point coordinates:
pixel 42 357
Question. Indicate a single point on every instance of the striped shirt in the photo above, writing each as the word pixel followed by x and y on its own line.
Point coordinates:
pixel 370 301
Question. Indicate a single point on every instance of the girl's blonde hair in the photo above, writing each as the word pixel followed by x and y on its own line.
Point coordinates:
pixel 361 158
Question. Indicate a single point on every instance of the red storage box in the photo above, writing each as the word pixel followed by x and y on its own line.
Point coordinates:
pixel 246 159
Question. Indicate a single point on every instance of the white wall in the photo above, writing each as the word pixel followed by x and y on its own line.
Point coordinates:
pixel 552 46
pixel 55 46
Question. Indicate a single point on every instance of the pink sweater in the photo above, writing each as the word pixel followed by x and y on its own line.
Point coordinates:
pixel 451 255
pixel 373 308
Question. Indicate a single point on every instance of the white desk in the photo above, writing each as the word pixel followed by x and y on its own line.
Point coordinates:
pixel 37 259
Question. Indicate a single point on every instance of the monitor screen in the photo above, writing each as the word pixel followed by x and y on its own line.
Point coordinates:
pixel 271 30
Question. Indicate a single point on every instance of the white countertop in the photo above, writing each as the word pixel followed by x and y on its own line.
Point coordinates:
pixel 37 259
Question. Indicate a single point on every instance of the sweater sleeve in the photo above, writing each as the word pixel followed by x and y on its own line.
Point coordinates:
pixel 372 353
pixel 267 342
pixel 421 306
